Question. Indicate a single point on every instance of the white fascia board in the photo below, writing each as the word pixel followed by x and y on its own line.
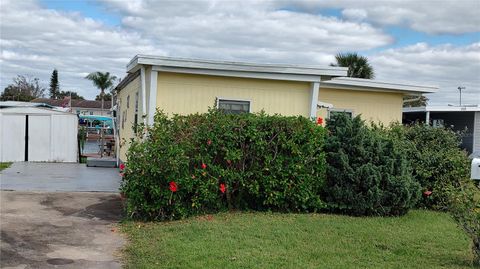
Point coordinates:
pixel 234 66
pixel 442 109
pixel 374 85
pixel 240 74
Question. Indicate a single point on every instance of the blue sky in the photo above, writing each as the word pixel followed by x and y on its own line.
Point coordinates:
pixel 422 42
pixel 90 9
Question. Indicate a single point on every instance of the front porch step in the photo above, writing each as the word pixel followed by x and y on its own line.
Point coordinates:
pixel 101 162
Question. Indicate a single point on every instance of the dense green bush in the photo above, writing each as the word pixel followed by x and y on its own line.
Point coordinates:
pixel 436 160
pixel 465 208
pixel 200 163
pixel 367 172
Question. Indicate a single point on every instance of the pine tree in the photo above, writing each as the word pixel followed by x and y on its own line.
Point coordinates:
pixel 54 87
pixel 366 174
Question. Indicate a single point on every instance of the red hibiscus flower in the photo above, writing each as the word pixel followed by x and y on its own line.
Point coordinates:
pixel 319 121
pixel 173 186
pixel 427 193
pixel 209 142
pixel 204 166
pixel 223 188
pixel 122 166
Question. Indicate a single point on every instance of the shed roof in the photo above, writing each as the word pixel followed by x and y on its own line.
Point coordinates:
pixel 5 104
pixel 34 110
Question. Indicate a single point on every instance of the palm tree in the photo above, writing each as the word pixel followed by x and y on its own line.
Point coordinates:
pixel 102 81
pixel 358 66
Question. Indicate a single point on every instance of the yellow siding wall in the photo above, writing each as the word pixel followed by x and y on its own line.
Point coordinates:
pixel 126 129
pixel 187 93
pixel 383 107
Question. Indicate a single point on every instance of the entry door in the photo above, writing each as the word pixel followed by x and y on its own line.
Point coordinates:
pixel 13 138
pixel 39 138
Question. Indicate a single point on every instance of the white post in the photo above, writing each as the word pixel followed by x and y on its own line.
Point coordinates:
pixel 427 118
pixel 52 142
pixel 143 93
pixel 314 99
pixel 152 103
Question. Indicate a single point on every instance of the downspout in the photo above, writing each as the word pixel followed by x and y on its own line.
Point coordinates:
pixel 314 88
pixel 143 92
pixel 152 103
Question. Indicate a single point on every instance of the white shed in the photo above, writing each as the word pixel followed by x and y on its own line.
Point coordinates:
pixel 38 134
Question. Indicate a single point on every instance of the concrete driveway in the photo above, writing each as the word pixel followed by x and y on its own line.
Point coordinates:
pixel 59 216
pixel 60 230
pixel 27 176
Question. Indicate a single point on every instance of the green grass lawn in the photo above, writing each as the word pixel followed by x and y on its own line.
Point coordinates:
pixel 4 165
pixel 421 239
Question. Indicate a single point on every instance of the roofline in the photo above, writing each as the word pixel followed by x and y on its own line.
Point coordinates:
pixel 442 109
pixel 377 85
pixel 6 110
pixel 163 61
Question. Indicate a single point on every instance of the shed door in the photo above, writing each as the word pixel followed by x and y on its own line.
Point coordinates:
pixel 13 138
pixel 39 138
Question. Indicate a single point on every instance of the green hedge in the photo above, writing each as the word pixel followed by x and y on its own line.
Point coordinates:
pixel 188 165
pixel 436 160
pixel 368 172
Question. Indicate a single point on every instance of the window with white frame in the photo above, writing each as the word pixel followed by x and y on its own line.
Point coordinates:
pixel 232 106
pixel 335 111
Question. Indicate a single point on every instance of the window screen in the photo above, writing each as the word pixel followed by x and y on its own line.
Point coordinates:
pixel 333 113
pixel 234 106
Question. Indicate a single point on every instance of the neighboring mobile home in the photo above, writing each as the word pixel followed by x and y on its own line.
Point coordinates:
pixel 184 86
pixel 464 119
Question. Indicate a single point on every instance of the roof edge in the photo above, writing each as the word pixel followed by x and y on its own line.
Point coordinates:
pixel 379 85
pixel 442 109
pixel 140 59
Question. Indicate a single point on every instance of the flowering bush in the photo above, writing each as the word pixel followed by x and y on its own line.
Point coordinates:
pixel 201 163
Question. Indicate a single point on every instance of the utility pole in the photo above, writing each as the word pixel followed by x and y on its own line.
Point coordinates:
pixel 460 88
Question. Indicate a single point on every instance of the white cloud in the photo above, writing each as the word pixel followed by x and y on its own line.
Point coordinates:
pixel 429 16
pixel 245 30
pixel 355 14
pixel 445 66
